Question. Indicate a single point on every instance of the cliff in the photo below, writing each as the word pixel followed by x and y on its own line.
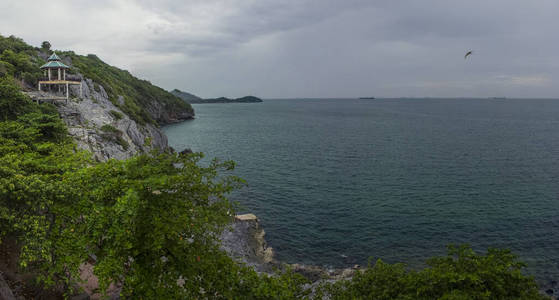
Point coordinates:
pixel 97 125
pixel 142 101
pixel 116 116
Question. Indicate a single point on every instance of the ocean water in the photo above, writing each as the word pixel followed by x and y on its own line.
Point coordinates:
pixel 337 181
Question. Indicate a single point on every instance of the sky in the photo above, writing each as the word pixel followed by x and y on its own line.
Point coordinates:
pixel 309 48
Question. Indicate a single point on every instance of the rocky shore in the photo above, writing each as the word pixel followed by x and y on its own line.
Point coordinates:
pixel 245 241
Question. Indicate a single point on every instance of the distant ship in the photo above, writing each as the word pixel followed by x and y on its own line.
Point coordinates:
pixel 366 97
pixel 498 98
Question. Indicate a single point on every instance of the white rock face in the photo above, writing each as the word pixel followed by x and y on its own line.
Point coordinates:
pixel 85 117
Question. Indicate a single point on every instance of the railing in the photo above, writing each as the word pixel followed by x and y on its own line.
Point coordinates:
pixel 55 78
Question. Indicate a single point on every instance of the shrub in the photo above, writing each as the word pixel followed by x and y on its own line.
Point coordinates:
pixel 30 78
pixel 110 128
pixel 462 274
pixel 116 114
pixel 122 142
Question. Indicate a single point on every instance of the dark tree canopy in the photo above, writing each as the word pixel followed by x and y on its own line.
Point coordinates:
pixel 46 45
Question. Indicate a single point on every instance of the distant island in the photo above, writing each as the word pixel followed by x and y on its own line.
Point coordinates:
pixel 367 98
pixel 193 99
pixel 188 97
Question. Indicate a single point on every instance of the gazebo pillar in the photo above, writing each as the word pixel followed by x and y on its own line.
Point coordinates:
pixel 59 74
pixel 49 73
pixel 64 74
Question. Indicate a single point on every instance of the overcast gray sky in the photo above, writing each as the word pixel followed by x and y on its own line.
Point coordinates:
pixel 310 48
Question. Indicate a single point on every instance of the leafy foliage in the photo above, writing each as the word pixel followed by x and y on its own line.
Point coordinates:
pixel 45 45
pixel 116 114
pixel 152 221
pixel 113 134
pixel 462 274
pixel 13 102
pixel 19 59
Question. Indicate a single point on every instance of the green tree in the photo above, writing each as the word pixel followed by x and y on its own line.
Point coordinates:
pixel 462 274
pixel 20 61
pixel 45 46
pixel 12 101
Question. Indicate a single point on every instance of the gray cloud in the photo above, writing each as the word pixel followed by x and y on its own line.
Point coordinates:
pixel 311 48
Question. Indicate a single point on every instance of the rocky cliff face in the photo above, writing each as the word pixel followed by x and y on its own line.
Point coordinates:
pixel 100 127
pixel 245 242
pixel 97 125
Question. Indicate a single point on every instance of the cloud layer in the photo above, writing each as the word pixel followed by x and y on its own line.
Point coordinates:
pixel 310 48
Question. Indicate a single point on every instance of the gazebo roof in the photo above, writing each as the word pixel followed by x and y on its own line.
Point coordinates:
pixel 54 64
pixel 53 57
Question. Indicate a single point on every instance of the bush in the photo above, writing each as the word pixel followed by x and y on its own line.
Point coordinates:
pixel 12 101
pixel 110 128
pixel 114 135
pixel 30 78
pixel 122 142
pixel 116 114
pixel 462 274
pixel 6 69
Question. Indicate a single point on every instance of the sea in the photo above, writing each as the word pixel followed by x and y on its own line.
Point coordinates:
pixel 338 182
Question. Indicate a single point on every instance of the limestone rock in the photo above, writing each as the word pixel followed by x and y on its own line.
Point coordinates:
pixel 97 125
pixel 245 241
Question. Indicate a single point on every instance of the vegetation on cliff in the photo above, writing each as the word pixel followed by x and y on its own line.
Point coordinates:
pixel 19 59
pixel 151 221
pixel 142 101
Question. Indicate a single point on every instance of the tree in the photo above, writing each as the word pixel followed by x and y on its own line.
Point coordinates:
pixel 12 101
pixel 45 46
pixel 462 274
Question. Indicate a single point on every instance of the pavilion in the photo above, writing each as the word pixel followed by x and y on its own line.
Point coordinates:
pixel 55 75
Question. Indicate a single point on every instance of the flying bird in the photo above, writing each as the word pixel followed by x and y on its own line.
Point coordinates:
pixel 468 54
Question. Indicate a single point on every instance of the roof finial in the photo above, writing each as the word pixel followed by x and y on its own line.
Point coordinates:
pixel 54 57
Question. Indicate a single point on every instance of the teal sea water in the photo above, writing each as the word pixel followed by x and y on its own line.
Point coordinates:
pixel 336 181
